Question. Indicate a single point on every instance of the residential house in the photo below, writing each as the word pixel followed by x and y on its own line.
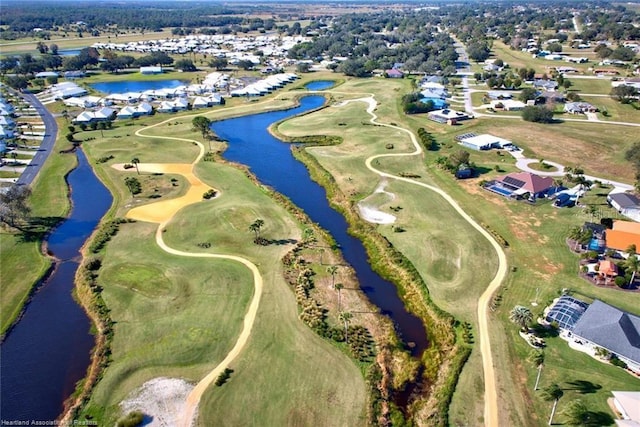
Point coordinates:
pixel 627 404
pixel 551 96
pixel 543 84
pixel 606 72
pixel 448 116
pixel 151 70
pixel 394 74
pixel 607 327
pixel 508 105
pixel 483 142
pixel 101 115
pixel 499 94
pixel 623 235
pixel 521 183
pixel 623 201
pixel 580 107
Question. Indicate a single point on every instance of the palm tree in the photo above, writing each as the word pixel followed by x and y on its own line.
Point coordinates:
pixel 522 316
pixel 135 162
pixel 338 287
pixel 255 227
pixel 576 413
pixel 537 357
pixel 332 270
pixel 552 392
pixel 345 317
pixel 633 264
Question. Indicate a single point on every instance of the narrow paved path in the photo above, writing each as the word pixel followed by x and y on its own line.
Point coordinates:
pixel 490 389
pixel 163 212
pixel 48 141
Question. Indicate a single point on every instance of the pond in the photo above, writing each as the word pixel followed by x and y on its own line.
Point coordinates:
pixel 320 84
pixel 273 163
pixel 48 350
pixel 136 86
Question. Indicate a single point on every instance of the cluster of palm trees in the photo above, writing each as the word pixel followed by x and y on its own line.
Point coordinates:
pixel 255 227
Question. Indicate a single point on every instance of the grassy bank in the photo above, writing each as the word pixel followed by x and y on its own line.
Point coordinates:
pixel 22 261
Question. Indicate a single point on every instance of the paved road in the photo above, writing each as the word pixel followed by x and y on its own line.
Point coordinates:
pixel 46 146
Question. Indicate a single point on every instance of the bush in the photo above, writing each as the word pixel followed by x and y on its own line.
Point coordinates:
pixel 132 419
pixel 209 194
pixel 223 377
pixel 537 114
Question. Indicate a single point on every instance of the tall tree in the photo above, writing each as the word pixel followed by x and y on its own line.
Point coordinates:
pixel 537 358
pixel 203 125
pixel 576 413
pixel 135 162
pixel 522 316
pixel 552 393
pixel 338 287
pixel 346 317
pixel 332 270
pixel 14 209
pixel 255 227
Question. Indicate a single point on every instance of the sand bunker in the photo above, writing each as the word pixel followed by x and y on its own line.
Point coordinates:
pixel 163 211
pixel 375 216
pixel 161 399
pixel 372 214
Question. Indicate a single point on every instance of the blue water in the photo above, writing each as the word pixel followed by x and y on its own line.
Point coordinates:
pixel 594 245
pixel 273 163
pixel 69 52
pixel 437 102
pixel 48 351
pixel 500 190
pixel 320 84
pixel 136 86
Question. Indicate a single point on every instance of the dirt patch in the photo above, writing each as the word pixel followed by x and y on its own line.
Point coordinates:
pixel 162 400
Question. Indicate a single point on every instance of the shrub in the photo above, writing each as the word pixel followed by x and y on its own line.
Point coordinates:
pixel 223 377
pixel 132 419
pixel 209 194
pixel 537 114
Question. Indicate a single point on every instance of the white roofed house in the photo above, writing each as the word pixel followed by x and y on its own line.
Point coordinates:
pixel 102 115
pixel 144 109
pixel 201 102
pixel 127 113
pixel 579 108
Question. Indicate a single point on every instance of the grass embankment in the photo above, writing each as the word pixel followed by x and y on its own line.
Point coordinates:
pixel 21 258
pixel 196 300
pixel 341 170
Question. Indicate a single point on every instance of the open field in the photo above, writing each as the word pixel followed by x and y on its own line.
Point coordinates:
pixel 28 45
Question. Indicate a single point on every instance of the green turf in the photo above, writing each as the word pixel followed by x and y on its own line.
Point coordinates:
pixel 264 372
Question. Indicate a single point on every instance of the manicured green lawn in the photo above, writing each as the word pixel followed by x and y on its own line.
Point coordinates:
pixel 202 302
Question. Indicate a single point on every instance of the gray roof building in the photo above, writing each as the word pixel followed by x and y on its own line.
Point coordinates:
pixel 622 201
pixel 611 328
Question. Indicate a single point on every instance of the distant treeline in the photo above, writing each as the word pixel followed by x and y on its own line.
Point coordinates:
pixel 152 16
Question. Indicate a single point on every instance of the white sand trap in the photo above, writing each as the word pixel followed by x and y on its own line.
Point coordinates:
pixel 374 215
pixel 161 399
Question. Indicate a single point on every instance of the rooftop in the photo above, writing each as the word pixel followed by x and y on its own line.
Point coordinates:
pixel 611 328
